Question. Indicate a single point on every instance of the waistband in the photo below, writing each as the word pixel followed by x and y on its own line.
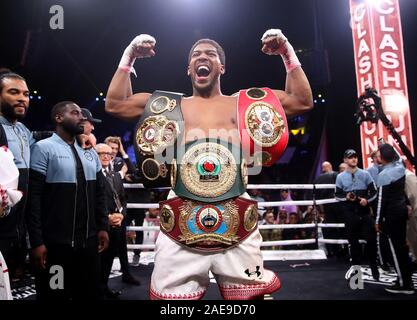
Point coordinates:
pixel 209 227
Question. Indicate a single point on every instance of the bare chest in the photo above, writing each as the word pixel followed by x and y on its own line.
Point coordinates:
pixel 209 118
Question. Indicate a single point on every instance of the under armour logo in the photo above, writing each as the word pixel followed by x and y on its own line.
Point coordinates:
pixel 257 272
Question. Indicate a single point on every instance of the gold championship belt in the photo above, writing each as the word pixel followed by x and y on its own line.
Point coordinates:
pixel 210 170
pixel 208 227
pixel 160 128
pixel 263 125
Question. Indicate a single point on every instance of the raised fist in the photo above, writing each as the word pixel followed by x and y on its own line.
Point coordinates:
pixel 142 46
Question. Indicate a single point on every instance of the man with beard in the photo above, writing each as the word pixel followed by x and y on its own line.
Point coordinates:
pixel 14 101
pixel 194 145
pixel 67 215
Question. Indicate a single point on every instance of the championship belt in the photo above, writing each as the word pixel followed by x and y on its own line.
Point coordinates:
pixel 208 226
pixel 159 129
pixel 262 125
pixel 209 170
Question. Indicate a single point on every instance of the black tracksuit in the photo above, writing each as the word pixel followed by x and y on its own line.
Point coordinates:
pixel 392 216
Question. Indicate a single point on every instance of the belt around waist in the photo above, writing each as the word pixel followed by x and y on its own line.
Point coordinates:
pixel 212 227
pixel 209 170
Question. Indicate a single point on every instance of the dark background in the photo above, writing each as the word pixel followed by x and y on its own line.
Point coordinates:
pixel 77 63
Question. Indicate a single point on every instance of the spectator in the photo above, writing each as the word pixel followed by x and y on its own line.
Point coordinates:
pixel 270 234
pixel 342 167
pixel 384 251
pixel 293 233
pixel 88 125
pixel 286 196
pixel 308 212
pixel 257 195
pixel 330 210
pixel 14 103
pixel 66 179
pixel 283 217
pixel 116 204
pixel 356 189
pixel 375 168
pixel 392 215
pixel 122 165
pixel 151 220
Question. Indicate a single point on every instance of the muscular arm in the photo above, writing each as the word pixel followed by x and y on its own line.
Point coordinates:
pixel 120 101
pixel 297 97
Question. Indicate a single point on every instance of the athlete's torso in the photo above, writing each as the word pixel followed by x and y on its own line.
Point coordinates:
pixel 213 117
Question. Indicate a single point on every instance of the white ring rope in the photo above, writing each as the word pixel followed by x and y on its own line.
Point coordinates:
pixel 260 204
pixel 287 242
pixel 261 227
pixel 264 243
pixel 253 186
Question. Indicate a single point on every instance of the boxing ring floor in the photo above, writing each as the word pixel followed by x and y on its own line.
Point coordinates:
pixel 300 279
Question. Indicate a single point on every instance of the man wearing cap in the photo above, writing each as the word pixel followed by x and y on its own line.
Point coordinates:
pixel 392 215
pixel 88 125
pixel 356 188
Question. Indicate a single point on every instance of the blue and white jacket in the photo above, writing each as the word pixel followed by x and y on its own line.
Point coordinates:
pixel 392 199
pixel 52 192
pixel 361 183
pixel 19 140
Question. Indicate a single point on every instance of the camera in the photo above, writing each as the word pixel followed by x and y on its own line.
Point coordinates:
pixel 352 196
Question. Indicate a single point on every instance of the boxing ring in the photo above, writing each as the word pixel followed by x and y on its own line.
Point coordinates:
pixel 301 271
pixel 269 254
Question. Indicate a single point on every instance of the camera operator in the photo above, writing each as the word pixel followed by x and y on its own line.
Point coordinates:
pixel 356 188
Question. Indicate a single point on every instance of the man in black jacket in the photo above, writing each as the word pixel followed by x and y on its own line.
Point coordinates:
pixel 67 216
pixel 14 102
pixel 116 203
pixel 392 215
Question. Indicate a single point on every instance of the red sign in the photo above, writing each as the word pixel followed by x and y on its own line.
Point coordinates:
pixel 379 63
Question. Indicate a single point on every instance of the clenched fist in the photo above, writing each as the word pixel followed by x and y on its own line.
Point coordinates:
pixel 273 42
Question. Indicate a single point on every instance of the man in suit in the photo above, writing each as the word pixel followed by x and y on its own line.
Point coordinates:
pixel 122 165
pixel 116 204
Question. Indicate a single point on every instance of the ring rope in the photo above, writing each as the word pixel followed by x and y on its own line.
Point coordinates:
pixel 253 186
pixel 260 204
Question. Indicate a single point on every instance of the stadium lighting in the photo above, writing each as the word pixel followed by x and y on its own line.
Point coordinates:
pixel 396 103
